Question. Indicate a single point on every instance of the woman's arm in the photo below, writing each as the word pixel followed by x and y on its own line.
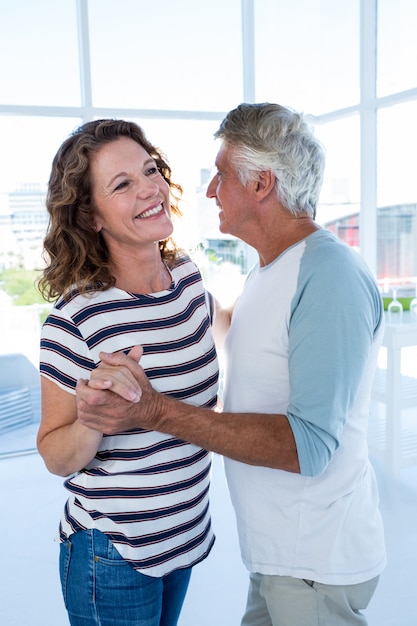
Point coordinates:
pixel 65 445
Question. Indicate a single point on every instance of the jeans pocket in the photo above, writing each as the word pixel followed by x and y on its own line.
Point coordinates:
pixel 105 551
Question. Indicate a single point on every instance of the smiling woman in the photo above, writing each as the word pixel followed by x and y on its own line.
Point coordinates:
pixel 122 281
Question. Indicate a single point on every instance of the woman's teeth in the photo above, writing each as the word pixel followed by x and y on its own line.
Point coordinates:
pixel 150 212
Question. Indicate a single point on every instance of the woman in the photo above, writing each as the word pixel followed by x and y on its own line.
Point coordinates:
pixel 137 518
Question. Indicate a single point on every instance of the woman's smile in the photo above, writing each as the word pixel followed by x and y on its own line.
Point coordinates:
pixel 151 212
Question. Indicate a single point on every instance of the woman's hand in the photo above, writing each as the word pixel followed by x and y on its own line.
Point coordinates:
pixel 116 376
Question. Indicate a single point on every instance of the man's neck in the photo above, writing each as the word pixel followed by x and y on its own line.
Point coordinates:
pixel 283 236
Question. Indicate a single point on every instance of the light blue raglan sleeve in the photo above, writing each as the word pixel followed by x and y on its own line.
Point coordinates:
pixel 336 311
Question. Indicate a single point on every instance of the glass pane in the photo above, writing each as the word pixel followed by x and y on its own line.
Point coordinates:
pixel 397 138
pixel 397 195
pixel 397 46
pixel 38 48
pixel 182 55
pixel 27 147
pixel 26 151
pixel 307 53
pixel 340 196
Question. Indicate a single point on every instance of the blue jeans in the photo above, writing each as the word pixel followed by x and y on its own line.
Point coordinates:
pixel 101 589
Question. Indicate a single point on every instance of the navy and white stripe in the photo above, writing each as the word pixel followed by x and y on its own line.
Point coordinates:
pixel 146 490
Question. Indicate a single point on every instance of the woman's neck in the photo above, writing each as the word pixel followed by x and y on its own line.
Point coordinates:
pixel 141 273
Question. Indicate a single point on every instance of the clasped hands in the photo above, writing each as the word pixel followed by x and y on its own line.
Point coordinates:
pixel 118 397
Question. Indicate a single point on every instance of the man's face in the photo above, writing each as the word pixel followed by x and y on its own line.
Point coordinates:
pixel 232 198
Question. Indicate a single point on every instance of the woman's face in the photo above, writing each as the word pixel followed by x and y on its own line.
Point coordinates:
pixel 130 195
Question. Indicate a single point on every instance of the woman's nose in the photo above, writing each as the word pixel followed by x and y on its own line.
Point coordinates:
pixel 147 188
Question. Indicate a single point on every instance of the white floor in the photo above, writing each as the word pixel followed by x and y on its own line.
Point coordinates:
pixel 32 500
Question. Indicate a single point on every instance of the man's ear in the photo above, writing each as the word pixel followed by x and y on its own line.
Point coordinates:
pixel 265 183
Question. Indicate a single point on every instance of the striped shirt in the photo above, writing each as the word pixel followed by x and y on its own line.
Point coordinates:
pixel 147 491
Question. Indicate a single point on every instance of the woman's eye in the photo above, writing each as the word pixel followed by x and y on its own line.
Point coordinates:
pixel 152 170
pixel 121 185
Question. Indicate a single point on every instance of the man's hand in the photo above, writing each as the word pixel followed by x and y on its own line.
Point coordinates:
pixel 109 402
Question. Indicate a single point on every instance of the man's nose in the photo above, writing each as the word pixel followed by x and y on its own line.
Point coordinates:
pixel 211 189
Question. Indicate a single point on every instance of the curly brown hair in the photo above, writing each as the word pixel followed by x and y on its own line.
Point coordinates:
pixel 76 256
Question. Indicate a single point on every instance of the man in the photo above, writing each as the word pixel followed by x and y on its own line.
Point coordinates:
pixel 300 359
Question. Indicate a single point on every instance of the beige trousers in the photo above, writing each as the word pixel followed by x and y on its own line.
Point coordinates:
pixel 286 601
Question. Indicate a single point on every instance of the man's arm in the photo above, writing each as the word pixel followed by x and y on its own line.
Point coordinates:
pixel 107 404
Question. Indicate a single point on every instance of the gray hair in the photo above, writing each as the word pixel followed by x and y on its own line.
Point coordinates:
pixel 270 137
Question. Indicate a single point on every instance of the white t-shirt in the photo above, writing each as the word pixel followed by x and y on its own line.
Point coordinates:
pixel 304 342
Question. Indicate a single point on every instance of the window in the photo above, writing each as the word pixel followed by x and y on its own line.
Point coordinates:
pixel 176 68
pixel 307 53
pixel 340 194
pixel 39 52
pixel 181 55
pixel 397 46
